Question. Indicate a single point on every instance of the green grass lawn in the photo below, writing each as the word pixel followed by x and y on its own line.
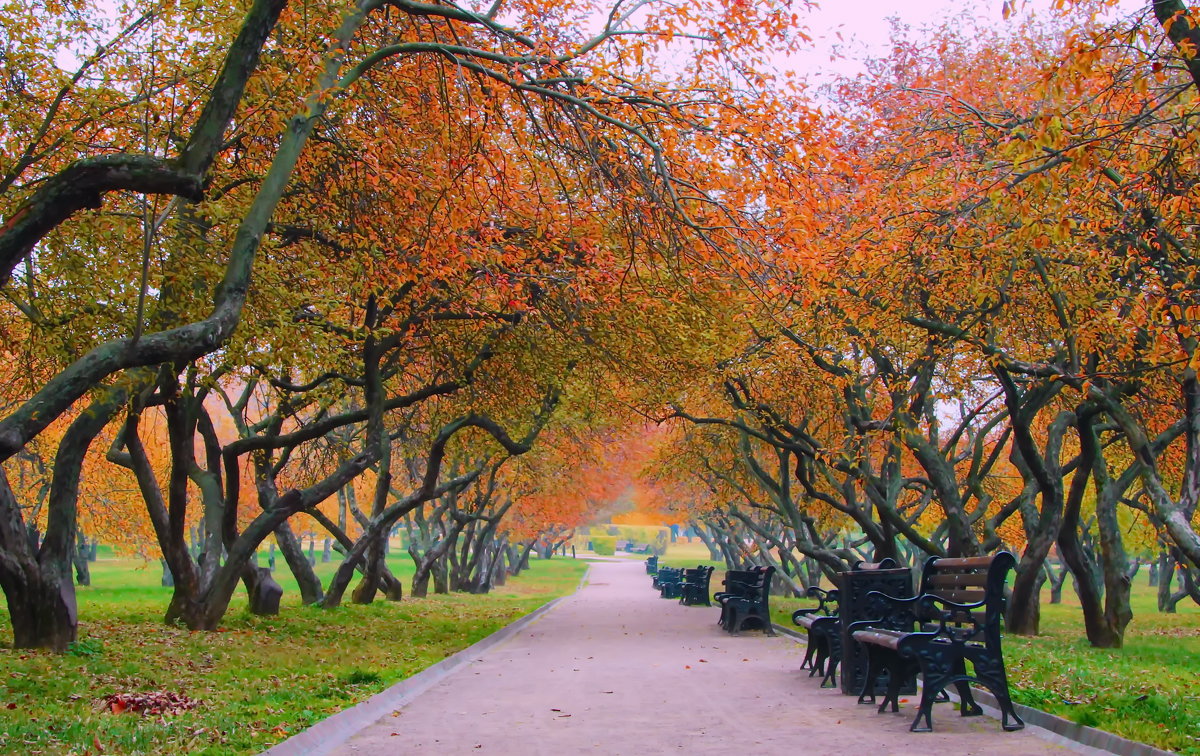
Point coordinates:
pixel 1145 691
pixel 257 681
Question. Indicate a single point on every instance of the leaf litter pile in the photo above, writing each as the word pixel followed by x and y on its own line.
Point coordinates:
pixel 155 703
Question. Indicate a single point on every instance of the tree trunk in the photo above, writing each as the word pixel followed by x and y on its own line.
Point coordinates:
pixel 311 591
pixel 441 576
pixel 390 585
pixel 1134 569
pixel 420 581
pixel 1057 581
pixel 41 597
pixel 1189 586
pixel 812 570
pixel 1102 579
pixel 377 438
pixel 1024 609
pixel 187 611
pixel 714 553
pixel 500 569
pixel 1041 467
pixel 1166 574
pixel 264 592
pixel 41 609
pixel 1082 566
pixel 83 575
pixel 365 592
pixel 499 574
pixel 38 584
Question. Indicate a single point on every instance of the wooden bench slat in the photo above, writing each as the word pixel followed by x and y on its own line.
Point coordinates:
pixel 958 563
pixel 881 637
pixel 959 579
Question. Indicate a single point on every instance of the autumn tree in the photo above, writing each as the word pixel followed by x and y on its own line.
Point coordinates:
pixel 570 97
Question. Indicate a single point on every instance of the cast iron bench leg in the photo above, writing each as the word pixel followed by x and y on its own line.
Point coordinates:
pixel 874 667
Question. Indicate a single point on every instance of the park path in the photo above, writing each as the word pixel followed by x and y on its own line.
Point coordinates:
pixel 615 669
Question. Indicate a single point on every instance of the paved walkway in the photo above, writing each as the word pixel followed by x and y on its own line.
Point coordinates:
pixel 614 669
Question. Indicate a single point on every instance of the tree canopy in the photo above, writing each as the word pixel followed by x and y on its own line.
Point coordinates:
pixel 476 272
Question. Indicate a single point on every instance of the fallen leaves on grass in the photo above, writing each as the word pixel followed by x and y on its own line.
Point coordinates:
pixel 154 702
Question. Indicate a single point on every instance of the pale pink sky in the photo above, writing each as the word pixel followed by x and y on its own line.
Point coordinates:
pixel 865 29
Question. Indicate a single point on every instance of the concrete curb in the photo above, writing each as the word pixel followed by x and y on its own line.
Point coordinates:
pixel 1057 728
pixel 336 729
pixel 1068 730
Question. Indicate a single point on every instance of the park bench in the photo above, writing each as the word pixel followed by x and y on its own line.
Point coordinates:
pixel 652 564
pixel 667 581
pixel 736 582
pixel 694 589
pixel 954 619
pixel 824 628
pixel 746 600
pixel 821 625
pixel 658 574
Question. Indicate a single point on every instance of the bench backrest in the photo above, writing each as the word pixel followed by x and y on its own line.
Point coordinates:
pixel 763 589
pixel 670 574
pixel 740 582
pixel 741 576
pixel 976 581
pixel 760 589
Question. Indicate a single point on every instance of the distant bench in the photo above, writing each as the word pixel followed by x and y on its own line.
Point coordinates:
pixel 689 585
pixel 694 588
pixel 954 618
pixel 745 600
pixel 666 580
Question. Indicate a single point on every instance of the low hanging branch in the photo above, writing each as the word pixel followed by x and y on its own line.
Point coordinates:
pixel 83 184
pixel 1182 31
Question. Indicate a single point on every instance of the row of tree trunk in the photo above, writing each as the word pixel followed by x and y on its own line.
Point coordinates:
pixel 741 541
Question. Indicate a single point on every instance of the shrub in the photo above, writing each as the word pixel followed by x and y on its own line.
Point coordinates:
pixel 604 545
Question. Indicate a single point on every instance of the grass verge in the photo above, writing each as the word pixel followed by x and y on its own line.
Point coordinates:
pixel 253 684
